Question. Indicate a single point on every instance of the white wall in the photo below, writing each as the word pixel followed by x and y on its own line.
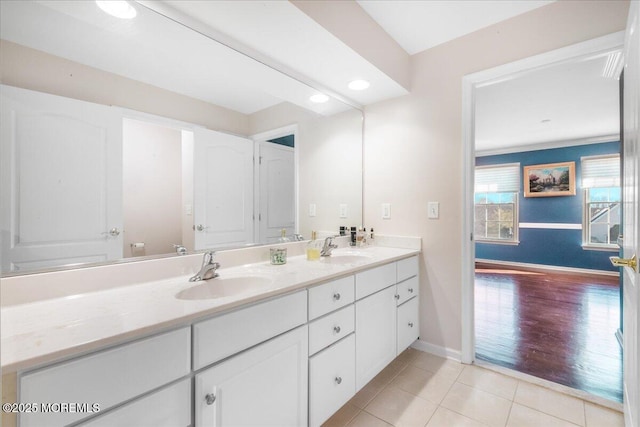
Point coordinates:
pixel 152 187
pixel 413 151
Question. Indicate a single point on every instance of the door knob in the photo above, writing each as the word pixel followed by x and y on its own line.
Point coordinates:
pixel 625 262
pixel 201 227
pixel 210 398
pixel 114 232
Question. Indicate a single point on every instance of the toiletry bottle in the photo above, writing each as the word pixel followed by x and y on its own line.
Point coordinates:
pixel 313 247
pixel 365 237
pixel 283 236
pixel 359 236
pixel 371 236
pixel 353 237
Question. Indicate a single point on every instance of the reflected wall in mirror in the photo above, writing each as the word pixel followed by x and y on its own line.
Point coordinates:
pixel 129 139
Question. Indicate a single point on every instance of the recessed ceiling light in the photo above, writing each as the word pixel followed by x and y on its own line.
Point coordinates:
pixel 545 121
pixel 319 98
pixel 359 85
pixel 119 9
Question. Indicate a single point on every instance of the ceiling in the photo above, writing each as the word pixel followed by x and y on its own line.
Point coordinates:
pixel 573 97
pixel 420 25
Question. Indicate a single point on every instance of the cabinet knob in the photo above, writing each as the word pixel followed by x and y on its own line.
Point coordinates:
pixel 210 398
pixel 338 380
pixel 396 296
pixel 410 290
pixel 336 329
pixel 336 296
pixel 411 324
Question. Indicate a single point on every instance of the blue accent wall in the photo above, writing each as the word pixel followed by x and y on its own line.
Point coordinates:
pixel 543 246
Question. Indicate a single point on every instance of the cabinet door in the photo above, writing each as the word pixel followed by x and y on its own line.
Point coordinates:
pixel 375 334
pixel 331 380
pixel 263 386
pixel 408 326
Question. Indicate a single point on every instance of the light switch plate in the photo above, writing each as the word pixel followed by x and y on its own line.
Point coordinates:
pixel 343 210
pixel 433 210
pixel 386 211
pixel 312 209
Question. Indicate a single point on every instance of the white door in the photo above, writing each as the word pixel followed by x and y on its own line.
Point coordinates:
pixel 223 189
pixel 264 386
pixel 631 241
pixel 277 200
pixel 61 190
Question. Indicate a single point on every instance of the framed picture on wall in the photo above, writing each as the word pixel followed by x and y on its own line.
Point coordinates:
pixel 552 179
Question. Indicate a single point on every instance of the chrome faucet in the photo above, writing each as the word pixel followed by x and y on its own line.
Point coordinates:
pixel 180 250
pixel 208 269
pixel 328 246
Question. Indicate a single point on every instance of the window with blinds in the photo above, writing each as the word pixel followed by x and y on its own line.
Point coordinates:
pixel 602 201
pixel 496 203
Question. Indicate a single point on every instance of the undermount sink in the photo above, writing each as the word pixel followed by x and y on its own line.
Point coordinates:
pixel 223 287
pixel 347 258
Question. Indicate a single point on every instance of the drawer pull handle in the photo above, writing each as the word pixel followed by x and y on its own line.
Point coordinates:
pixel 410 290
pixel 336 296
pixel 396 296
pixel 411 324
pixel 210 398
pixel 336 329
pixel 338 380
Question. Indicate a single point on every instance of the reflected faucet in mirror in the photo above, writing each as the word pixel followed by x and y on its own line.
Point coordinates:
pixel 180 250
pixel 208 269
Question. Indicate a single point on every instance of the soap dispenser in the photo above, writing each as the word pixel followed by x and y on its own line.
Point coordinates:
pixel 314 247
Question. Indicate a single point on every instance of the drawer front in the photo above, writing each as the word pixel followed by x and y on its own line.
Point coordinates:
pixel 331 328
pixel 107 377
pixel 330 296
pixel 407 290
pixel 371 281
pixel 408 325
pixel 169 407
pixel 331 380
pixel 227 334
pixel 407 268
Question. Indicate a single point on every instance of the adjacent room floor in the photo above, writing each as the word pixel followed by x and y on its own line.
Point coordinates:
pixel 556 326
pixel 420 389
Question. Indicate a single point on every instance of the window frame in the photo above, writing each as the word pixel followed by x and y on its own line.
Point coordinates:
pixel 505 179
pixel 586 209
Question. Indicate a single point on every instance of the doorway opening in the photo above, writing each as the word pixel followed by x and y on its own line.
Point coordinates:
pixel 539 295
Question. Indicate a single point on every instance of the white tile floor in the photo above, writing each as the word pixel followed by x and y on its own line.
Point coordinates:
pixel 420 389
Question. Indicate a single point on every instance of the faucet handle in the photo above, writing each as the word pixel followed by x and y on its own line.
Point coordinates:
pixel 208 257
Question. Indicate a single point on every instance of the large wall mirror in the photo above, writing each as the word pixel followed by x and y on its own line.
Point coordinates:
pixel 134 138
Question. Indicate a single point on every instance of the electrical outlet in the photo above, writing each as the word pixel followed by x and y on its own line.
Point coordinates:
pixel 343 210
pixel 433 210
pixel 312 209
pixel 386 211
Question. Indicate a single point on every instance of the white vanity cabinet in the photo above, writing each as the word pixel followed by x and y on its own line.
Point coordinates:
pixel 331 347
pixel 108 378
pixel 386 315
pixel 263 386
pixel 407 300
pixel 261 371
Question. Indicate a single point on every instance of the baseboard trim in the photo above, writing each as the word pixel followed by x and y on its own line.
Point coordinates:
pixel 543 267
pixel 437 350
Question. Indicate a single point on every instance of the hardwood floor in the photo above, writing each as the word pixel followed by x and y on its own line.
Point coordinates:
pixel 560 327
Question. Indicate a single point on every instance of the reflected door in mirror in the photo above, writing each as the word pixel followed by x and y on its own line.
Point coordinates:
pixel 61 181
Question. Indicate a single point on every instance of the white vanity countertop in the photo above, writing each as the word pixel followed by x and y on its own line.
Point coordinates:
pixel 46 331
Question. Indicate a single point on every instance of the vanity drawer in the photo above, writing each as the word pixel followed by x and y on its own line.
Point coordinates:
pixel 407 268
pixel 229 333
pixel 407 290
pixel 408 325
pixel 330 296
pixel 169 407
pixel 331 379
pixel 106 377
pixel 331 328
pixel 371 281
